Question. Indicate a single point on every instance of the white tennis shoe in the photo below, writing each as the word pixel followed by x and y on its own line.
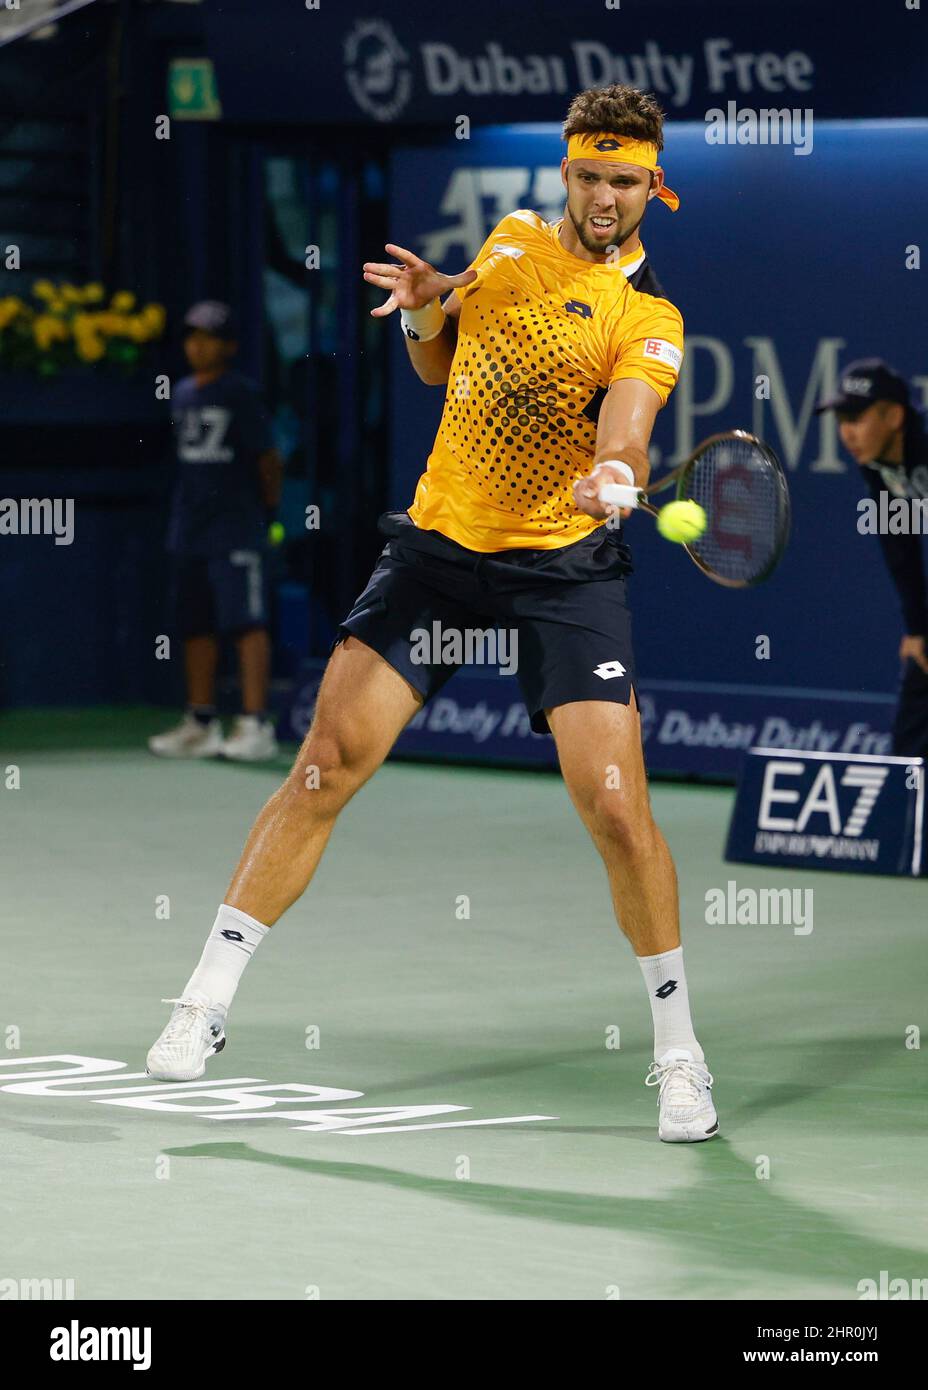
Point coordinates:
pixel 189 739
pixel 686 1112
pixel 195 1031
pixel 251 740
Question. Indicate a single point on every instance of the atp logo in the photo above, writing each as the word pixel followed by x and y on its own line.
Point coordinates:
pixel 577 306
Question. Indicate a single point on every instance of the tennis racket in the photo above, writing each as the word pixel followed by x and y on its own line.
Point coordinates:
pixel 741 486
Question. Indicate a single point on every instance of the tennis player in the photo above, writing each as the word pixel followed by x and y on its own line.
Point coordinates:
pixel 554 369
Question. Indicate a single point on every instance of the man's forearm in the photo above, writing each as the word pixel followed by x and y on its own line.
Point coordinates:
pixel 270 472
pixel 432 360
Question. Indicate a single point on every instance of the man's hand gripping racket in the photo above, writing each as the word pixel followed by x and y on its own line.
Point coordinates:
pixel 734 522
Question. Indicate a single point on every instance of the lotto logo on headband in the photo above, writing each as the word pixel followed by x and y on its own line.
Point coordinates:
pixel 610 148
pixel 663 351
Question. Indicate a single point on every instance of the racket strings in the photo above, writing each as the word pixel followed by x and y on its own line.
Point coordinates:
pixel 744 498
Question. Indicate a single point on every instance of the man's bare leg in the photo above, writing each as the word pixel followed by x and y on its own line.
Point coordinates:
pixel 254 663
pixel 599 748
pixel 362 708
pixel 201 655
pixel 594 736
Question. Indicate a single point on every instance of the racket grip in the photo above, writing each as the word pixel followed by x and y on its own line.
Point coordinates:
pixel 619 494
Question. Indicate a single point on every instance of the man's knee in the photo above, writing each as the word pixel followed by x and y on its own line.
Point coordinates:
pixel 621 821
pixel 328 771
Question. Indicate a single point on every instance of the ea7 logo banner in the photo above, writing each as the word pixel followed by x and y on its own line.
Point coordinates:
pixel 829 811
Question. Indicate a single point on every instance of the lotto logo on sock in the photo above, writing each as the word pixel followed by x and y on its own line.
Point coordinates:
pixel 666 989
pixel 231 935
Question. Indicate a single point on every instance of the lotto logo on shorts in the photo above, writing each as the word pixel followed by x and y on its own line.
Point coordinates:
pixel 607 670
pixel 663 351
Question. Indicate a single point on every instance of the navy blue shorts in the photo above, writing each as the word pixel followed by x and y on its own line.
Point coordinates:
pixel 220 594
pixel 564 612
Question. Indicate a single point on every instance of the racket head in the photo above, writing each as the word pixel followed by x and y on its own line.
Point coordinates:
pixel 739 482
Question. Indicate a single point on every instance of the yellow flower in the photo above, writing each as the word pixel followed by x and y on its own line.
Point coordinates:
pixel 47 329
pixel 70 293
pixel 43 289
pixel 123 302
pixel 115 325
pixel 93 293
pixel 154 317
pixel 137 329
pixel 89 347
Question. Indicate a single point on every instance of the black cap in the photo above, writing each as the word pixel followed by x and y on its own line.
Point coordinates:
pixel 864 382
pixel 213 317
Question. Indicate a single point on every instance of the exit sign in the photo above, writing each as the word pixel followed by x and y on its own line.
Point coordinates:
pixel 192 94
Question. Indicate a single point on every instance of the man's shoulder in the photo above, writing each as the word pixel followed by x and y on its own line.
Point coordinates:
pixel 525 219
pixel 649 312
pixel 916 440
pixel 231 384
pixel 521 227
pixel 185 391
pixel 235 383
pixel 645 281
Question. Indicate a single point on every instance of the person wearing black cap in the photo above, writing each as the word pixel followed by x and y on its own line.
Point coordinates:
pixel 885 435
pixel 228 475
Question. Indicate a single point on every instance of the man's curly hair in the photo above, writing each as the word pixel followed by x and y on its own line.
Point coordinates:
pixel 623 110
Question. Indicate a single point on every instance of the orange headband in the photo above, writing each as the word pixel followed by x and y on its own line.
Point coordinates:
pixel 620 149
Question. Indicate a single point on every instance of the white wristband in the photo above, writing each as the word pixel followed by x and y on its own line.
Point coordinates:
pixel 421 325
pixel 625 468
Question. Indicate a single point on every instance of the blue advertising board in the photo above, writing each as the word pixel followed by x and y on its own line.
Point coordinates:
pixel 392 62
pixel 687 727
pixel 846 812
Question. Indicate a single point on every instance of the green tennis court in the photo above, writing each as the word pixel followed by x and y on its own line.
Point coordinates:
pixel 456 949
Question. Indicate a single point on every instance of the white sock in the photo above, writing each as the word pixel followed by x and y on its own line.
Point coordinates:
pixel 229 947
pixel 670 1003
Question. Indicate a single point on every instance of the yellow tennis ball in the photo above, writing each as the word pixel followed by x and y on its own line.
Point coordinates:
pixel 681 521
